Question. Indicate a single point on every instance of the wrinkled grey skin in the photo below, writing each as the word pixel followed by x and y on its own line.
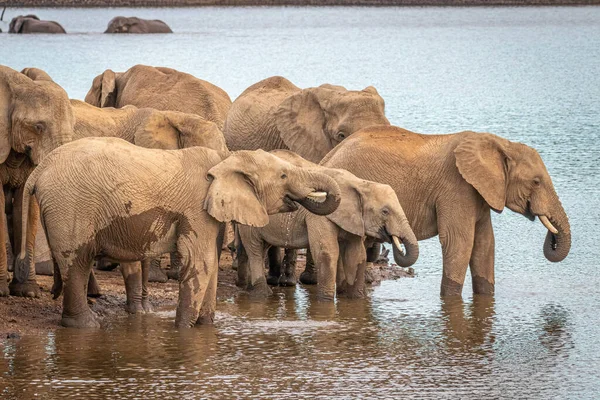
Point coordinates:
pixel 367 210
pixel 136 25
pixel 116 211
pixel 32 24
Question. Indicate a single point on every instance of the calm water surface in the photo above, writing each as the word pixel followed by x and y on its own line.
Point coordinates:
pixel 530 75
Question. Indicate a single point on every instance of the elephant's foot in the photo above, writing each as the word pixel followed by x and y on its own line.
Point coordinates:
pixel 84 320
pixel 135 307
pixel 260 291
pixel 186 317
pixel 287 280
pixel 450 287
pixel 272 280
pixel 156 274
pixel 44 268
pixel 4 290
pixel 309 277
pixel 147 306
pixel 27 289
pixel 206 318
pixel 325 296
pixel 482 286
pixel 173 273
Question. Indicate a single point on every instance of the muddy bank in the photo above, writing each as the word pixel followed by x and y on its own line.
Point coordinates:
pixel 24 316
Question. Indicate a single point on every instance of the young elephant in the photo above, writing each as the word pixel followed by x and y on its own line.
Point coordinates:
pixel 136 25
pixel 32 24
pixel 105 197
pixel 367 210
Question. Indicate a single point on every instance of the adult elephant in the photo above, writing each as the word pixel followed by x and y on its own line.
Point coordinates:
pixel 276 114
pixel 136 25
pixel 32 24
pixel 160 88
pixel 35 118
pixel 455 180
pixel 368 211
pixel 130 204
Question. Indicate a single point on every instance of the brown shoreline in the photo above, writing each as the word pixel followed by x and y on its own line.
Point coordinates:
pixel 294 3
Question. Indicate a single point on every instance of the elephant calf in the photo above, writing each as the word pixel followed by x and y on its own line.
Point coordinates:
pixel 136 25
pixel 105 197
pixel 32 24
pixel 367 210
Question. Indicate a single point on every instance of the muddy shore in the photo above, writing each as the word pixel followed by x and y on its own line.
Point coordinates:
pixel 25 316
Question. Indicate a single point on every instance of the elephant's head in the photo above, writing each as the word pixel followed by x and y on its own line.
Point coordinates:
pixel 513 175
pixel 313 121
pixel 16 24
pixel 248 186
pixel 120 25
pixel 103 92
pixel 35 115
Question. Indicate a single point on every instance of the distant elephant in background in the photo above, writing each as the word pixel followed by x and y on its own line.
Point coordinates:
pixel 367 211
pixel 455 181
pixel 32 24
pixel 131 204
pixel 160 88
pixel 35 118
pixel 276 114
pixel 136 25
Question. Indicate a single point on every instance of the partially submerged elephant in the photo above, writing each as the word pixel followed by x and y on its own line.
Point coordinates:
pixel 367 211
pixel 160 88
pixel 455 181
pixel 136 25
pixel 105 197
pixel 32 24
pixel 35 118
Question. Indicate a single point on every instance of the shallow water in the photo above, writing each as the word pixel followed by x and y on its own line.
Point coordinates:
pixel 528 74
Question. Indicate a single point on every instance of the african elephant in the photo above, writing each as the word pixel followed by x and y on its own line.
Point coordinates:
pixel 337 241
pixel 276 114
pixel 162 89
pixel 136 25
pixel 455 181
pixel 105 197
pixel 32 24
pixel 35 118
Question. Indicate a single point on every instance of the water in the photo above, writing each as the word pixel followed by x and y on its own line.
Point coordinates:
pixel 527 74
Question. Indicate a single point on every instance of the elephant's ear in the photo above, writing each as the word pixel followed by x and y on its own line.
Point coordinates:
pixel 5 123
pixel 300 121
pixel 194 130
pixel 482 162
pixel 103 92
pixel 18 25
pixel 371 90
pixel 232 195
pixel 36 74
pixel 349 214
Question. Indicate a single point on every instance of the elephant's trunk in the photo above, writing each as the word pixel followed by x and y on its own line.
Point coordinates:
pixel 557 245
pixel 311 183
pixel 408 258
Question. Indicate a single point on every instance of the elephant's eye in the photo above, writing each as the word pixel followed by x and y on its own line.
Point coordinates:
pixel 39 127
pixel 385 211
pixel 536 181
pixel 283 176
pixel 341 135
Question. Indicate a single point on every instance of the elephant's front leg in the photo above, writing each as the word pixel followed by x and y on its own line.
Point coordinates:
pixel 275 263
pixel 256 253
pixel 30 287
pixel 132 275
pixel 288 268
pixel 324 246
pixel 309 275
pixel 3 259
pixel 354 264
pixel 482 259
pixel 76 313
pixel 209 304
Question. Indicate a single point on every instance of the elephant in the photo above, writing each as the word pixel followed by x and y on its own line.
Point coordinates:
pixel 368 210
pixel 35 118
pixel 136 25
pixel 105 197
pixel 160 88
pixel 32 24
pixel 455 180
pixel 276 114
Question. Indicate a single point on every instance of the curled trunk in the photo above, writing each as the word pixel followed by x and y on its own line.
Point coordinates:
pixel 411 245
pixel 311 182
pixel 557 246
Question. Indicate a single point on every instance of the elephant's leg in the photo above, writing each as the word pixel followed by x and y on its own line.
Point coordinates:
pixel 93 289
pixel 156 274
pixel 76 313
pixel 3 259
pixel 373 252
pixel 105 265
pixel 43 259
pixel 309 276
pixel 209 304
pixel 243 269
pixel 325 248
pixel 173 272
pixel 275 262
pixel 456 237
pixel 132 275
pixel 354 263
pixel 482 259
pixel 29 288
pixel 288 270
pixel 257 251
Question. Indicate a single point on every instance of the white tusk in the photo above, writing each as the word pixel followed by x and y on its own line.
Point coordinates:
pixel 397 242
pixel 319 197
pixel 544 220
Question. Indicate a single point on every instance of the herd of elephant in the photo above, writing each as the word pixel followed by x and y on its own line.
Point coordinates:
pixel 32 24
pixel 157 161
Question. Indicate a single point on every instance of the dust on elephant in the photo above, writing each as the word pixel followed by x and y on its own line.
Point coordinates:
pixel 32 24
pixel 368 210
pixel 136 25
pixel 35 118
pixel 105 197
pixel 276 114
pixel 455 181
pixel 160 88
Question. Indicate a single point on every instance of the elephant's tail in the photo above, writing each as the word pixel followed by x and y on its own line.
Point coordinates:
pixel 26 258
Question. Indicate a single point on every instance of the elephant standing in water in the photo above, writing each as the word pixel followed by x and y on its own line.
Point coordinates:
pixel 368 210
pixel 35 118
pixel 32 24
pixel 136 25
pixel 455 181
pixel 105 197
